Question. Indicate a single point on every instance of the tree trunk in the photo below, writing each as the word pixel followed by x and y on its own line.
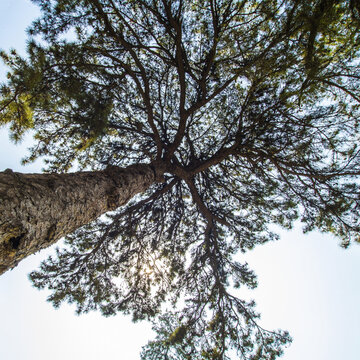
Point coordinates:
pixel 36 210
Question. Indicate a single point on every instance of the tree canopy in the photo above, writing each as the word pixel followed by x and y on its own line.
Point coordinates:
pixel 251 108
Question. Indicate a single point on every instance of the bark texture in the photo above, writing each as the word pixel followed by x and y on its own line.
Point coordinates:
pixel 36 210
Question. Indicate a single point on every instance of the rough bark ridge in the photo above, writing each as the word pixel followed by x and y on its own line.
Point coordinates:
pixel 36 210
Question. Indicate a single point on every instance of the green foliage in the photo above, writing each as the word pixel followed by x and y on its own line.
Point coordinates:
pixel 178 335
pixel 253 109
pixel 224 339
pixel 17 111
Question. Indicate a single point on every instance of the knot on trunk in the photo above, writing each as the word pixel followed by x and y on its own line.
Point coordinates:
pixel 11 242
pixel 159 168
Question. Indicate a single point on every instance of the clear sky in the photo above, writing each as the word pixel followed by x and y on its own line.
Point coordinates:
pixel 307 283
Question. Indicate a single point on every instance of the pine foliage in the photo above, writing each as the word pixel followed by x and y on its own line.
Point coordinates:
pixel 252 107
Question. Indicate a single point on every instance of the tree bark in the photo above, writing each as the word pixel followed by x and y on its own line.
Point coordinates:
pixel 36 210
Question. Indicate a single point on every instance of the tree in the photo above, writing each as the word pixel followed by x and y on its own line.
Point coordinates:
pixel 241 114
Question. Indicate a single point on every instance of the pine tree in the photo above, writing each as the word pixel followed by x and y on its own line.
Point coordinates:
pixel 222 117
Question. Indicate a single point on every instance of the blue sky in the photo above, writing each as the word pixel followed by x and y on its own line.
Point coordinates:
pixel 307 283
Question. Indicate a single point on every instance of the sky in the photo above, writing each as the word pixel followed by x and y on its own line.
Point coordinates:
pixel 308 284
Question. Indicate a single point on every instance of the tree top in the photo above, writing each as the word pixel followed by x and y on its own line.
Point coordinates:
pixel 251 111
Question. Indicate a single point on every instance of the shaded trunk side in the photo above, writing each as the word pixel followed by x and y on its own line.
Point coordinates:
pixel 36 210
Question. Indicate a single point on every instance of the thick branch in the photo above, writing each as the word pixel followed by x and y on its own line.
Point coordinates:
pixel 36 210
